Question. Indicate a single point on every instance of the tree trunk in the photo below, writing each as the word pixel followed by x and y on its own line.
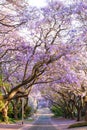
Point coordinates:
pixel 15 112
pixel 26 104
pixel 79 114
pixel 72 115
pixel 85 111
pixel 5 112
pixel 15 108
pixel 86 115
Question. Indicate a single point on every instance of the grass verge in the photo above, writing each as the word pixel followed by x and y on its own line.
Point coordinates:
pixel 81 124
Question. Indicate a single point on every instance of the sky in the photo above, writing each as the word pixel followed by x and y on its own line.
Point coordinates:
pixel 42 3
pixel 38 3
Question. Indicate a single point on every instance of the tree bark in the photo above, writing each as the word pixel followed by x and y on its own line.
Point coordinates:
pixel 5 112
pixel 79 114
pixel 85 111
pixel 15 104
pixel 15 112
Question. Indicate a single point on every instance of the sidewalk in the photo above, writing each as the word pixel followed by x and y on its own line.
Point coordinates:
pixel 10 126
pixel 17 126
pixel 27 125
pixel 63 124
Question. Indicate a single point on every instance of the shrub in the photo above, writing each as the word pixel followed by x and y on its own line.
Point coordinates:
pixel 1 105
pixel 57 111
pixel 10 111
pixel 28 111
pixel 1 118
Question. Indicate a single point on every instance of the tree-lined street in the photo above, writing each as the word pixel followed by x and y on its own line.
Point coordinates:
pixel 43 62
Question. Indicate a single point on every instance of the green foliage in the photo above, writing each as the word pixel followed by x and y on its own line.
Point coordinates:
pixel 0 80
pixel 1 105
pixel 81 124
pixel 10 111
pixel 28 111
pixel 1 102
pixel 1 118
pixel 30 119
pixel 57 111
pixel 6 119
pixel 11 120
pixel 5 84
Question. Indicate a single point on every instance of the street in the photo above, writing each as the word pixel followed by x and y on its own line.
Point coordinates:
pixel 43 122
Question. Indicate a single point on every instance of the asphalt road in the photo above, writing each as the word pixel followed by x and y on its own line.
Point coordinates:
pixel 44 121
